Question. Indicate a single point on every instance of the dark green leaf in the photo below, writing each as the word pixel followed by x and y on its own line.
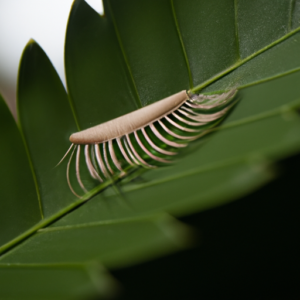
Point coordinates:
pixel 100 89
pixel 137 54
pixel 46 121
pixel 48 282
pixel 114 243
pixel 19 206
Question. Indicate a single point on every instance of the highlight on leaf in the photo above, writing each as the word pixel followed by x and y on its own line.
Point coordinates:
pixel 149 137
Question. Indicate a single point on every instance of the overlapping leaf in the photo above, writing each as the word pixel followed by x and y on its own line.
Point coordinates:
pixel 135 55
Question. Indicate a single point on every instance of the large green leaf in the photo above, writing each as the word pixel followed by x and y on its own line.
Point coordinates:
pixel 19 207
pixel 138 53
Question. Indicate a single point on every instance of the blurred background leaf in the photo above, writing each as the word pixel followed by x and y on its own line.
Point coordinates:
pixel 118 63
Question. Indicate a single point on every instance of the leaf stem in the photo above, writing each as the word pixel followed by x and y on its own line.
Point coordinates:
pixel 241 62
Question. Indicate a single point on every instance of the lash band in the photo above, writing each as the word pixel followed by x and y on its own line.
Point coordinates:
pixel 201 112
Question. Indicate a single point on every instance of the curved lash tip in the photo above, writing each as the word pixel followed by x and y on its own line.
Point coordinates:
pixel 147 137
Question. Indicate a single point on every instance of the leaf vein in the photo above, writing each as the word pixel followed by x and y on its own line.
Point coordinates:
pixel 32 171
pixel 241 62
pixel 237 28
pixel 139 103
pixel 142 218
pixel 292 6
pixel 182 44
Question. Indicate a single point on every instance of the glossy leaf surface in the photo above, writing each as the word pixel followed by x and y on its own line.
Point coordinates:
pixel 114 65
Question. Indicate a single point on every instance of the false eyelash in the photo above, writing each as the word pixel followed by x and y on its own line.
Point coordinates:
pixel 149 137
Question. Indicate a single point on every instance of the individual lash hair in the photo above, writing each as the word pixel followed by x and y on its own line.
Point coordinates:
pixel 149 137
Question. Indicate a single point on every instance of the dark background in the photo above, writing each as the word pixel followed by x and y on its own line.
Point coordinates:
pixel 248 249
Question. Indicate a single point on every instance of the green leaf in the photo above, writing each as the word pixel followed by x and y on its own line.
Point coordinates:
pixel 19 206
pixel 114 243
pixel 46 120
pixel 137 54
pixel 55 281
pixel 280 59
pixel 90 79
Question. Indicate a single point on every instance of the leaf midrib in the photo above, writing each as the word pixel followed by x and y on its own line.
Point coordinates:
pixel 199 87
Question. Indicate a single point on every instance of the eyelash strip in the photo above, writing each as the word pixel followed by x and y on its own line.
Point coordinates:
pixel 148 137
